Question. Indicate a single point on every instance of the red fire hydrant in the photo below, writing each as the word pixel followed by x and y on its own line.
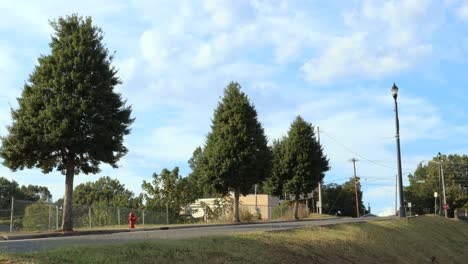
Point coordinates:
pixel 132 219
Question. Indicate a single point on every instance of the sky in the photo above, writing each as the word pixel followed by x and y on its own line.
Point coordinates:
pixel 332 62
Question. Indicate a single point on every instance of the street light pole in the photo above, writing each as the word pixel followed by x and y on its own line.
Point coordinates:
pixel 400 176
pixel 320 182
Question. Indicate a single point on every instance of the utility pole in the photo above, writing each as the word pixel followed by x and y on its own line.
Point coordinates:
pixel 353 160
pixel 443 183
pixel 440 188
pixel 320 183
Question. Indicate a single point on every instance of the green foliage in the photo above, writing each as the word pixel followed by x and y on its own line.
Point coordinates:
pixel 221 209
pixel 35 193
pixel 168 189
pixel 198 181
pixel 280 210
pixel 246 215
pixel 68 110
pixel 105 192
pixel 274 184
pixel 8 189
pixel 236 155
pixel 39 216
pixel 426 180
pixel 341 200
pixel 69 116
pixel 31 193
pixel 304 159
pixel 298 162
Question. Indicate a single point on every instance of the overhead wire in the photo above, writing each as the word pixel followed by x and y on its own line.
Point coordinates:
pixel 357 154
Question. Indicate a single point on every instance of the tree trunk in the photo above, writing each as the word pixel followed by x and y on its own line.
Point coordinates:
pixel 236 206
pixel 296 209
pixel 67 224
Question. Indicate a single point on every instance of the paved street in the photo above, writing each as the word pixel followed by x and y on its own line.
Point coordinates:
pixel 30 245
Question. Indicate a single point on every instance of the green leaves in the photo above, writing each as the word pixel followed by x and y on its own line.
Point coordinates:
pixel 105 191
pixel 168 188
pixel 68 109
pixel 426 180
pixel 298 161
pixel 69 117
pixel 236 155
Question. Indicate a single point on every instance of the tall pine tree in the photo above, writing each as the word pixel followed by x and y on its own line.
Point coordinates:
pixel 298 163
pixel 236 154
pixel 69 116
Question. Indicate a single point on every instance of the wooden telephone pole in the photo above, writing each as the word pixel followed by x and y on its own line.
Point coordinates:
pixel 353 160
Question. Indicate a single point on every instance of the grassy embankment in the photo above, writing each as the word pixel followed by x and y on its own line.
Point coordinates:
pixel 422 240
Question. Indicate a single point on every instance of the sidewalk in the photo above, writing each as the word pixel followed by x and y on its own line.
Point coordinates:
pixel 139 229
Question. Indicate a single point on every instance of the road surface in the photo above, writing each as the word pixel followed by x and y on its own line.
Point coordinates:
pixel 31 245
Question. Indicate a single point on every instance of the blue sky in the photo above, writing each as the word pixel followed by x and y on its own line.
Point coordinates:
pixel 333 62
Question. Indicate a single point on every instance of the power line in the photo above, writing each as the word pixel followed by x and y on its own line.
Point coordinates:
pixel 357 154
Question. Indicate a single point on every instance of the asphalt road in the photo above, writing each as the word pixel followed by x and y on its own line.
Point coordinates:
pixel 31 245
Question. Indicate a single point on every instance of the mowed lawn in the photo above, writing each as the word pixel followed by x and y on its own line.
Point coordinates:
pixel 426 239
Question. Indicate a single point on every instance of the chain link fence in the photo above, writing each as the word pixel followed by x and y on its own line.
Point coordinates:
pixel 220 212
pixel 27 216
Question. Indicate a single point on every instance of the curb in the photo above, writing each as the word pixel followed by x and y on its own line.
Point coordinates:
pixel 112 231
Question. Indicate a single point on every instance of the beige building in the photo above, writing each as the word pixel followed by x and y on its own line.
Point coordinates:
pixel 257 205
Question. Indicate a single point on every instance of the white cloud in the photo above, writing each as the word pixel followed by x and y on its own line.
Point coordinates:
pixel 176 57
pixel 170 143
pixel 384 39
pixel 462 12
pixel 386 212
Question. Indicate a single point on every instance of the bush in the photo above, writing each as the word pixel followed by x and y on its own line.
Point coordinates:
pixel 245 214
pixel 39 217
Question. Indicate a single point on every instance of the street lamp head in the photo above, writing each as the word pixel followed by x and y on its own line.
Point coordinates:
pixel 394 91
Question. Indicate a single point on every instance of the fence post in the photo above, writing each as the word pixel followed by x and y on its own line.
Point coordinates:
pixel 57 218
pixel 11 213
pixel 89 215
pixel 143 217
pixel 50 217
pixel 167 213
pixel 118 216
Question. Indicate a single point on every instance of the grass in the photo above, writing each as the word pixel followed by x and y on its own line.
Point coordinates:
pixel 423 240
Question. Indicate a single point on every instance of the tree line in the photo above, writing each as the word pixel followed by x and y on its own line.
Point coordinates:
pixel 71 119
pixel 427 179
pixel 33 193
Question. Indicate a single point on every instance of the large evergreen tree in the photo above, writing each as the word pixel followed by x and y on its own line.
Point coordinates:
pixel 69 116
pixel 197 179
pixel 299 162
pixel 274 184
pixel 236 155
